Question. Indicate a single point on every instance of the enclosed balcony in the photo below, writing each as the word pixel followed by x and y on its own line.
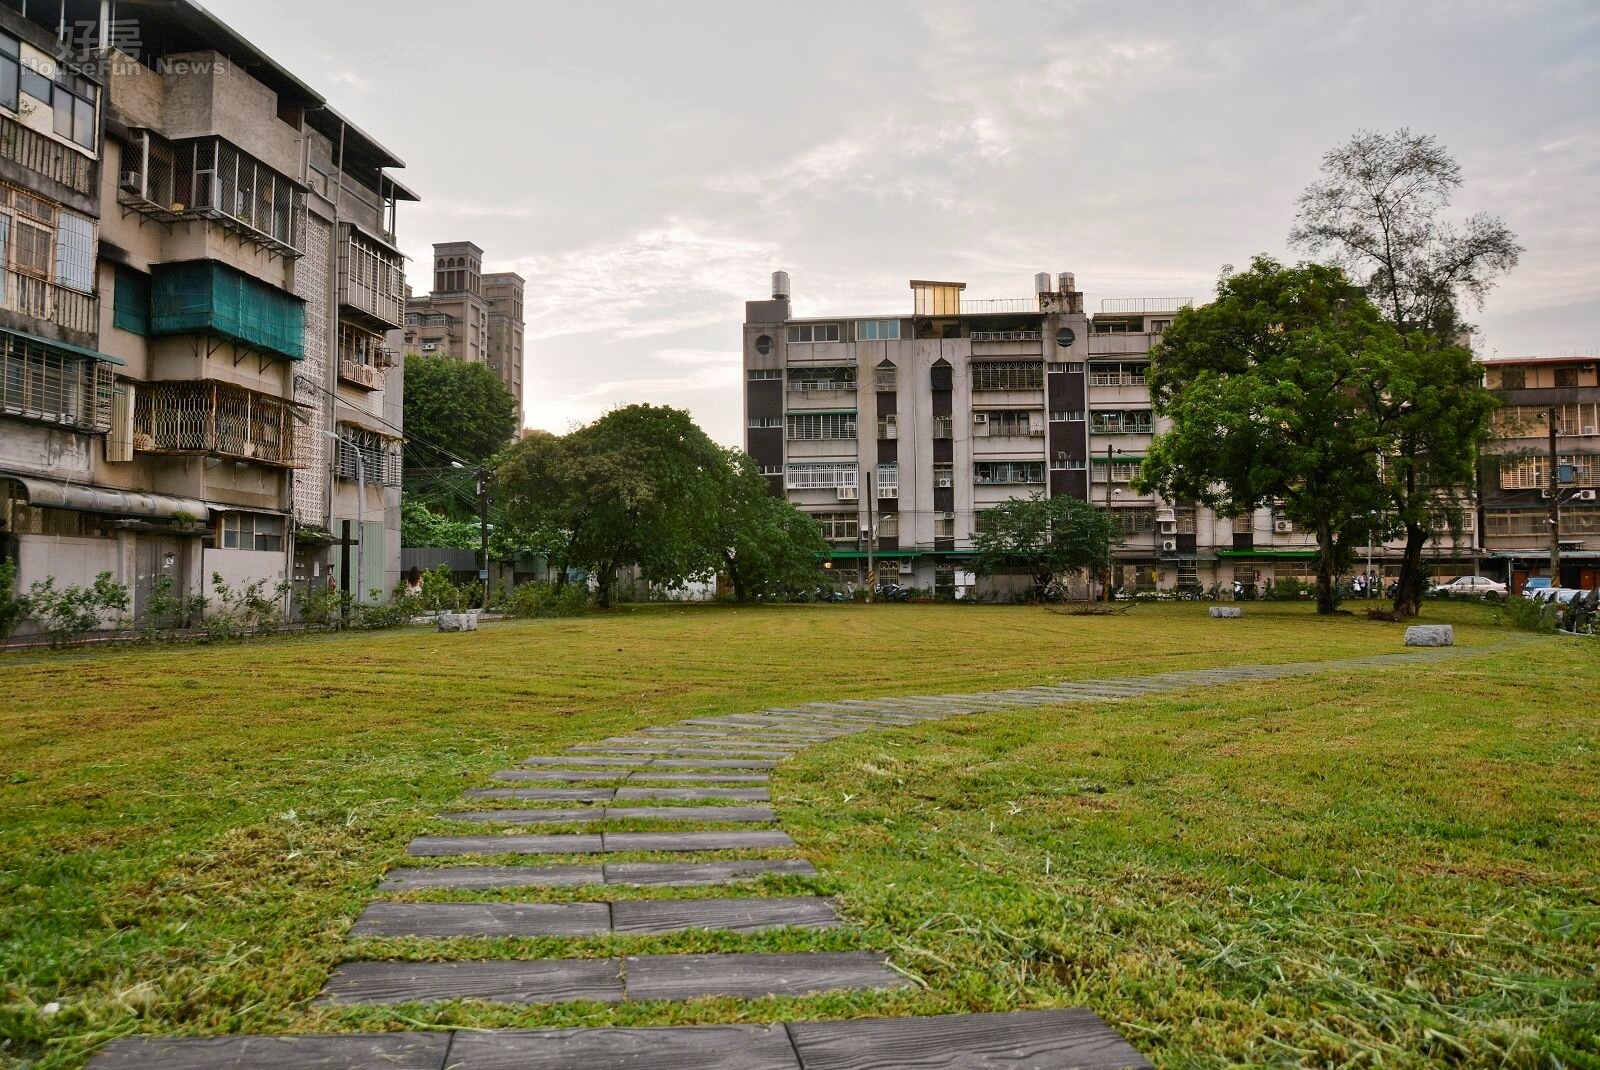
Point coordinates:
pixel 363 357
pixel 372 279
pixel 50 383
pixel 209 178
pixel 213 419
pixel 209 298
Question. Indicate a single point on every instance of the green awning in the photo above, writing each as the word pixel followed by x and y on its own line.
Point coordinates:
pixel 1293 555
pixel 53 343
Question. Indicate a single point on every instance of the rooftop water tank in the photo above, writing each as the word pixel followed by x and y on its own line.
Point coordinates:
pixel 780 286
pixel 1041 283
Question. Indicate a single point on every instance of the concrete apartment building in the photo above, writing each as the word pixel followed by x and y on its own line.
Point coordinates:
pixel 205 305
pixel 469 315
pixel 922 421
pixel 1515 475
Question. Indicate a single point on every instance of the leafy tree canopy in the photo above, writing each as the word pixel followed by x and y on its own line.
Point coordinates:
pixel 1052 538
pixel 769 548
pixel 458 405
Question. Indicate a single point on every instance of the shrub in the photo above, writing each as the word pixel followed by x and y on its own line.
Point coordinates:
pixel 545 600
pixel 249 610
pixel 69 613
pixel 1528 615
pixel 13 606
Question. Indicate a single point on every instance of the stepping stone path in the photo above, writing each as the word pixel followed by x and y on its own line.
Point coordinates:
pixel 705 770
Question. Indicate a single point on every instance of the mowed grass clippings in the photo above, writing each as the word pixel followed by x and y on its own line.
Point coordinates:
pixel 1397 867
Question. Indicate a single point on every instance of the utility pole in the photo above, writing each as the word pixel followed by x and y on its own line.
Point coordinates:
pixel 1555 501
pixel 1105 594
pixel 872 535
pixel 483 534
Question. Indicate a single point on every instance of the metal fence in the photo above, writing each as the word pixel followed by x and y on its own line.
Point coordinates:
pixel 213 418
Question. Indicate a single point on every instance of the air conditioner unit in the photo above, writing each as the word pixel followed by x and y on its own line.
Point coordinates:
pixel 1589 431
pixel 1545 493
pixel 947 516
pixel 888 492
pixel 1169 527
pixel 849 494
pixel 1283 527
pixel 980 418
pixel 1584 496
pixel 1169 546
pixel 132 181
pixel 944 482
pixel 429 347
pixel 906 568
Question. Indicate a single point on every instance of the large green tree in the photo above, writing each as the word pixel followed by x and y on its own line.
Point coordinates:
pixel 1377 211
pixel 769 548
pixel 455 407
pixel 1053 538
pixel 1268 389
pixel 642 486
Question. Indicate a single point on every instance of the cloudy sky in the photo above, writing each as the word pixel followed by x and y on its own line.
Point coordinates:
pixel 646 165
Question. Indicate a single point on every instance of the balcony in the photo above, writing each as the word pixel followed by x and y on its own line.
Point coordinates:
pixel 210 298
pixel 45 156
pixel 42 299
pixel 46 384
pixel 363 358
pixel 208 178
pixel 372 279
pixel 213 419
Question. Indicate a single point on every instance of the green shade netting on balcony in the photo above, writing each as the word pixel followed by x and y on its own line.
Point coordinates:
pixel 205 297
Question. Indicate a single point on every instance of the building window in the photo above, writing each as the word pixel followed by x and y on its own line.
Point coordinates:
pixel 1244 524
pixel 814 332
pixel 944 475
pixel 996 472
pixel 50 385
pixel 821 476
pixel 943 427
pixel 1566 377
pixel 1122 422
pixel 1011 423
pixel 1121 471
pixel 941 376
pixel 822 380
pixel 1188 574
pixel 889 526
pixel 839 527
pixel 888 480
pixel 888 426
pixel 1066 416
pixel 252 531
pixel 830 425
pixel 1056 367
pixel 758 375
pixel 1158 326
pixel 10 71
pixel 1185 516
pixel 1126 373
pixel 367 456
pixel 1075 367
pixel 74 104
pixel 764 344
pixel 1513 379
pixel 764 422
pixel 1139 520
pixel 1007 375
pixel 886 376
pixel 944 526
pixel 772 469
pixel 1576 520
pixel 877 330
pixel 1068 464
pixel 1533 473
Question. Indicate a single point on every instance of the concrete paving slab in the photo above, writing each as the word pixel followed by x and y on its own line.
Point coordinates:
pixel 444 920
pixel 509 981
pixel 680 977
pixel 479 877
pixel 644 916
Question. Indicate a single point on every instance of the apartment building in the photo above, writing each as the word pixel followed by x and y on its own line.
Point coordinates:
pixel 920 422
pixel 1518 503
pixel 229 404
pixel 469 315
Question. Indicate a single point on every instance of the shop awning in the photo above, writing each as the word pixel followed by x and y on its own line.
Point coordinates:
pixel 52 494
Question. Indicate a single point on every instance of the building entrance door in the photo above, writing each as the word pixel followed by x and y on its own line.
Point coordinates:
pixel 158 558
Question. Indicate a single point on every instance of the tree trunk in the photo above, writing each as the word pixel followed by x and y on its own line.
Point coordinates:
pixel 734 577
pixel 1408 591
pixel 1325 600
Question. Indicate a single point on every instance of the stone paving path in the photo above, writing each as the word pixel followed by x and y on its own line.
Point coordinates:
pixel 700 758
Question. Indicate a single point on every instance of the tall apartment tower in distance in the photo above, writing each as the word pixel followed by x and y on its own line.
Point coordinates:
pixel 906 429
pixel 469 315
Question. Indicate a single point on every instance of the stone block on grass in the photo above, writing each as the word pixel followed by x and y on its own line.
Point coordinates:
pixel 458 622
pixel 1430 635
pixel 1228 612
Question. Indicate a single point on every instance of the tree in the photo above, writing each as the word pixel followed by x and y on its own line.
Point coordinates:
pixel 1052 538
pixel 769 548
pixel 455 406
pixel 641 486
pixel 421 526
pixel 1376 212
pixel 1268 389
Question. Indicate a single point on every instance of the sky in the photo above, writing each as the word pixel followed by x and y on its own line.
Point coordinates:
pixel 646 165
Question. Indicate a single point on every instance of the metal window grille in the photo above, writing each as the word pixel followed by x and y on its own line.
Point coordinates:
pixel 992 472
pixel 211 178
pixel 822 425
pixel 1132 422
pixel 837 527
pixel 216 419
pixel 53 386
pixel 379 456
pixel 1008 375
pixel 372 278
pixel 821 476
pixel 45 156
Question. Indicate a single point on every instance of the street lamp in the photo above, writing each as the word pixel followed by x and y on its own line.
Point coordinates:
pixel 361 511
pixel 482 476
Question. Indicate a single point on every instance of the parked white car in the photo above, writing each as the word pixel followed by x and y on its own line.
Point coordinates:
pixel 1481 586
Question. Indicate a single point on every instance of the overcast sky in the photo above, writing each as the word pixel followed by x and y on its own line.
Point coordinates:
pixel 646 165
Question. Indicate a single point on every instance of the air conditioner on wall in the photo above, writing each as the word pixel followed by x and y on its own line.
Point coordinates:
pixel 1169 527
pixel 944 483
pixel 947 516
pixel 907 568
pixel 1584 496
pixel 1169 545
pixel 1283 527
pixel 980 418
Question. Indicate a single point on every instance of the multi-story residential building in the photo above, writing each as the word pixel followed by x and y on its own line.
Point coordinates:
pixel 1516 503
pixel 469 315
pixel 919 423
pixel 230 405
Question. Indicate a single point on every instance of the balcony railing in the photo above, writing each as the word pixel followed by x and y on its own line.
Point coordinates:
pixel 209 178
pixel 981 306
pixel 1005 336
pixel 45 300
pixel 48 157
pixel 1145 304
pixel 213 419
pixel 48 385
pixel 822 386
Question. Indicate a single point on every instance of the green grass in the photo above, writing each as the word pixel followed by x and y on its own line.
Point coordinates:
pixel 1394 867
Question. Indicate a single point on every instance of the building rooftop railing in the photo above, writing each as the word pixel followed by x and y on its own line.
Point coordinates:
pixel 1145 304
pixel 983 307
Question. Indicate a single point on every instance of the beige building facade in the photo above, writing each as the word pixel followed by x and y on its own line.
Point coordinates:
pixel 470 316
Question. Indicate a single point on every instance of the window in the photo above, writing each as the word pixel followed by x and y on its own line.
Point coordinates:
pixel 888 426
pixel 814 332
pixel 75 252
pixel 252 531
pixel 1188 574
pixel 889 526
pixel 887 376
pixel 833 425
pixel 840 527
pixel 944 526
pixel 944 475
pixel 888 480
pixel 877 330
pixel 1068 464
pixel 1513 379
pixel 1121 471
pixel 821 476
pixel 763 422
pixel 1057 367
pixel 758 375
pixel 1125 373
pixel 1158 326
pixel 943 427
pixel 1533 472
pixel 1244 524
pixel 1066 416
pixel 1122 422
pixel 1139 520
pixel 826 380
pixel 993 472
pixel 1075 367
pixel 1013 423
pixel 10 71
pixel 1576 520
pixel 37 85
pixel 940 375
pixel 1007 375
pixel 1566 377
pixel 132 301
pixel 1185 515
pixel 43 383
pixel 764 344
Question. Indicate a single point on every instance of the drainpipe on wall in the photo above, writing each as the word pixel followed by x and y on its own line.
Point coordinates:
pixel 332 342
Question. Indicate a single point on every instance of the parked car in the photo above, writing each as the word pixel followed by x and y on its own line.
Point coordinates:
pixel 1473 586
pixel 1535 583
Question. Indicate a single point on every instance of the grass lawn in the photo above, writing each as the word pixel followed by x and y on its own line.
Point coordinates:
pixel 1396 867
